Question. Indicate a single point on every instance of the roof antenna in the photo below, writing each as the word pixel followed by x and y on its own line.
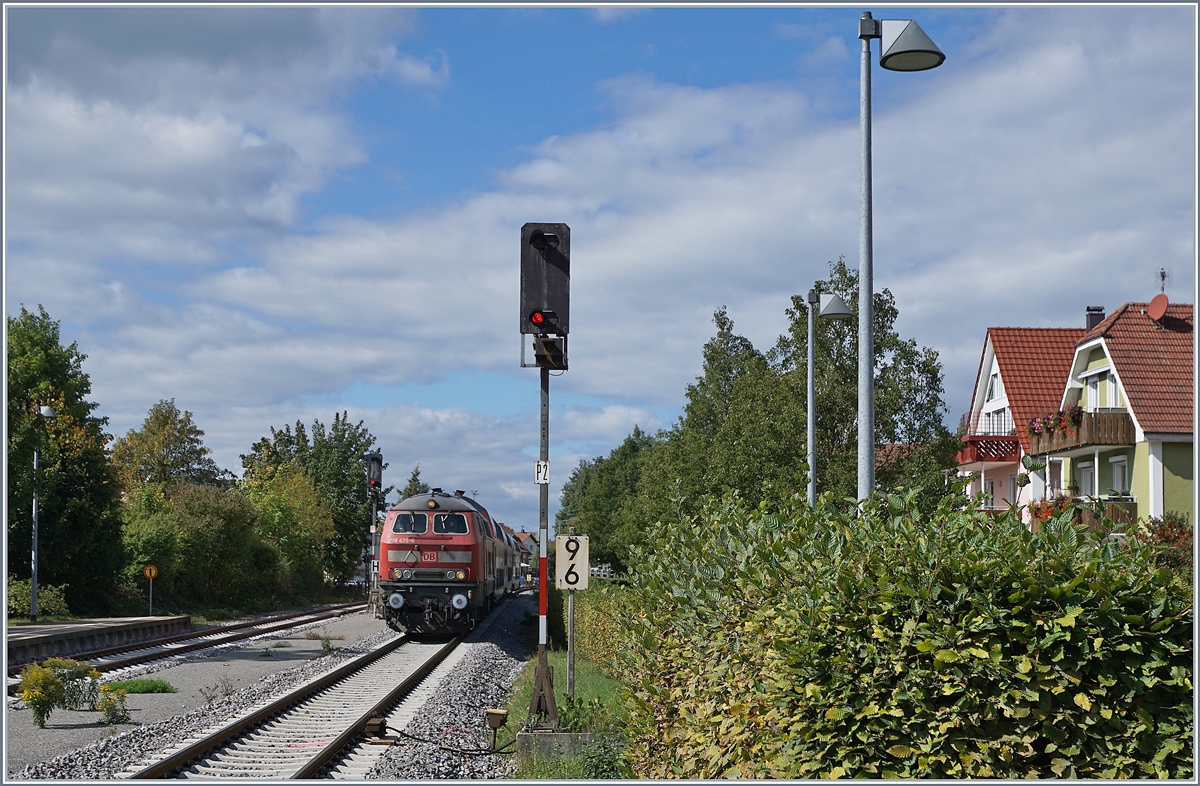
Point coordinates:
pixel 1163 275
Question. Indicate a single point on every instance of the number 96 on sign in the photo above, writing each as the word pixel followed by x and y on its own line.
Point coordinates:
pixel 571 562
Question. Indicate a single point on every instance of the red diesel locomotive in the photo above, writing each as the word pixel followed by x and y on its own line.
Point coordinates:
pixel 443 563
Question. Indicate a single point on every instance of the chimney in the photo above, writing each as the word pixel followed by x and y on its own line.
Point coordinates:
pixel 1095 315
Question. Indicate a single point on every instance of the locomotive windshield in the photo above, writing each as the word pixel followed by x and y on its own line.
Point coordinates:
pixel 411 522
pixel 449 524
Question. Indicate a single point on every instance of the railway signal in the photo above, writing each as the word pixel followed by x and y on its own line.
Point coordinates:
pixel 375 485
pixel 571 568
pixel 545 315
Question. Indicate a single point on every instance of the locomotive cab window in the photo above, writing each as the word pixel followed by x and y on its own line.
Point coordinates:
pixel 410 522
pixel 449 524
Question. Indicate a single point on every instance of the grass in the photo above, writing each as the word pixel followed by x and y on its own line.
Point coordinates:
pixel 143 685
pixel 595 709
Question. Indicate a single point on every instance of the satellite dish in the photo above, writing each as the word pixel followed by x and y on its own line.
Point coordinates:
pixel 1158 308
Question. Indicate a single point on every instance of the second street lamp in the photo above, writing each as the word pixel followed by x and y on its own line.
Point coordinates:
pixel 43 411
pixel 831 307
pixel 903 47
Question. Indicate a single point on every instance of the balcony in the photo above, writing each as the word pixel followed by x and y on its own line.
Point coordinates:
pixel 1095 428
pixel 988 437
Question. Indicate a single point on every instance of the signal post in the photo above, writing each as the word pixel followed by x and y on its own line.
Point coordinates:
pixel 545 314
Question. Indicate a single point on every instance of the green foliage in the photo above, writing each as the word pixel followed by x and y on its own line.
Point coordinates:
pixel 600 634
pixel 143 685
pixel 334 459
pixel 112 705
pixel 294 517
pixel 205 544
pixel 415 485
pixel 80 682
pixel 78 496
pixel 168 449
pixel 52 600
pixel 41 690
pixel 781 641
pixel 597 497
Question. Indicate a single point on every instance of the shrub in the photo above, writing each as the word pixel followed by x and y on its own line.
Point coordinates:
pixel 80 682
pixel 41 691
pixel 112 705
pixel 52 600
pixel 808 643
pixel 144 685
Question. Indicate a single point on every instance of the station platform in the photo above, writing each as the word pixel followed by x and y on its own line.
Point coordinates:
pixel 29 643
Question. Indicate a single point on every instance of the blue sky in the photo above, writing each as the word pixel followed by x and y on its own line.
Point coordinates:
pixel 275 214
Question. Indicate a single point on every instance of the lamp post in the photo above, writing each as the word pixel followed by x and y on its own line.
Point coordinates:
pixel 834 308
pixel 903 47
pixel 45 412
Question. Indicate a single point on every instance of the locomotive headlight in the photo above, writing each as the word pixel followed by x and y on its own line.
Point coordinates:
pixel 407 574
pixel 396 601
pixel 450 574
pixel 460 574
pixel 396 573
pixel 459 601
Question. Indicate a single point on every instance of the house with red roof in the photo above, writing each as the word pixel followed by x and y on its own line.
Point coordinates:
pixel 1021 373
pixel 1127 394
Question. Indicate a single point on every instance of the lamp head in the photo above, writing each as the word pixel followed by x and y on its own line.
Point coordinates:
pixel 45 411
pixel 903 46
pixel 833 307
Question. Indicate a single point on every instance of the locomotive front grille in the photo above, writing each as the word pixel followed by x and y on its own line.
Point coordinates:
pixel 429 575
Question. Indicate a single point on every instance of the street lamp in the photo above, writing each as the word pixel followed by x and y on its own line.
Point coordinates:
pixel 831 307
pixel 45 412
pixel 903 46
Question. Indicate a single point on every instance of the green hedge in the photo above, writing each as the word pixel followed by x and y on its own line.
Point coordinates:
pixel 798 643
pixel 52 599
pixel 600 633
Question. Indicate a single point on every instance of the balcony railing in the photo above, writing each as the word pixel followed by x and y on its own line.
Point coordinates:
pixel 988 436
pixel 989 424
pixel 1094 428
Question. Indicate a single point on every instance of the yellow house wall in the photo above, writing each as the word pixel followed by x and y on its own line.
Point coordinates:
pixel 1177 477
pixel 1139 478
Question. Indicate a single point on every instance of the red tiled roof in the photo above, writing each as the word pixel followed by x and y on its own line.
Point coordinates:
pixel 1034 364
pixel 1154 363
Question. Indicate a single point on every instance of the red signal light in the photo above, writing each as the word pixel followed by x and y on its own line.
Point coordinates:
pixel 537 318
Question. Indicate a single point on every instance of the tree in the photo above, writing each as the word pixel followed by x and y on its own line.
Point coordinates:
pixel 79 529
pixel 335 459
pixel 415 485
pixel 596 498
pixel 295 518
pixel 168 449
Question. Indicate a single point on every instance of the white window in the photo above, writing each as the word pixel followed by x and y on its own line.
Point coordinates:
pixel 1012 488
pixel 995 387
pixel 1120 475
pixel 1087 479
pixel 1093 394
pixel 989 488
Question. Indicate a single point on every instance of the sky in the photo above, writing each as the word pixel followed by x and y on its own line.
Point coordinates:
pixel 273 215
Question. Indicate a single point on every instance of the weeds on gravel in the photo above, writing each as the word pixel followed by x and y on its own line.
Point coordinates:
pixel 144 685
pixel 325 639
pixel 112 705
pixel 224 687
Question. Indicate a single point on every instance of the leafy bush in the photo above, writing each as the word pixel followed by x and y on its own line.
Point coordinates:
pixel 112 705
pixel 80 682
pixel 41 691
pixel 599 633
pixel 806 643
pixel 52 600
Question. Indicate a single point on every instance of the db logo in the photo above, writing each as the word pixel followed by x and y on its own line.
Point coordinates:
pixel 428 556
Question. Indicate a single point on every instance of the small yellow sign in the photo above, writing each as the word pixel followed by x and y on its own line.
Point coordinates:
pixel 149 571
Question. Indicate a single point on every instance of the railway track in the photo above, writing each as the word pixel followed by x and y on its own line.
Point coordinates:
pixel 307 732
pixel 114 658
